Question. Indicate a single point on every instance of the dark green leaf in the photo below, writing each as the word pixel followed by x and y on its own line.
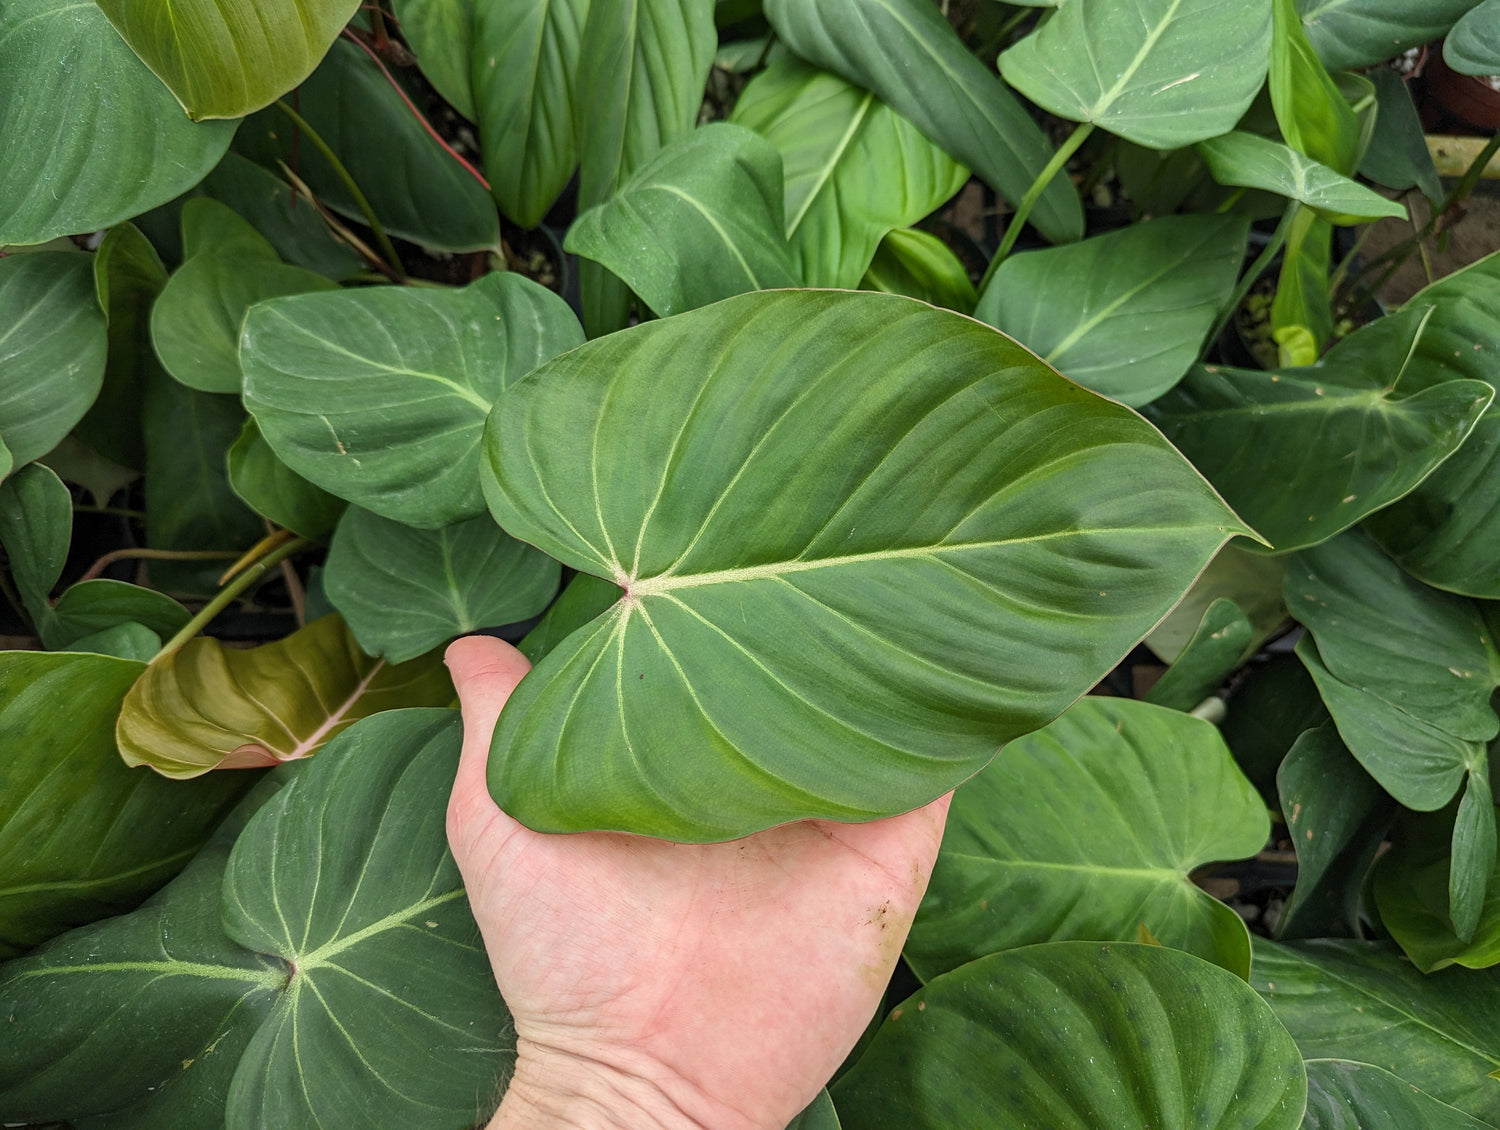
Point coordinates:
pixel 1223 637
pixel 918 265
pixel 36 527
pixel 1355 33
pixel 1343 1095
pixel 819 1115
pixel 441 32
pixel 276 492
pixel 586 598
pixel 1251 161
pixel 1398 156
pixel 95 606
pixel 1271 705
pixel 1473 46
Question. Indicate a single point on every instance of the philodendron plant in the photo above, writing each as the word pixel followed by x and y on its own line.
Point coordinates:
pixel 645 333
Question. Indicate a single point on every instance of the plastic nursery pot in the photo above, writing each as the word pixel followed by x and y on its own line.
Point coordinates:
pixel 1471 98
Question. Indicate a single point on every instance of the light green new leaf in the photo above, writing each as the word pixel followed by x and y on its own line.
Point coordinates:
pixel 206 706
pixel 911 262
pixel 276 492
pixel 404 591
pixel 207 225
pixel 416 188
pixel 525 69
pixel 1356 33
pixel 1224 637
pixel 379 395
pixel 1473 46
pixel 1362 1001
pixel 700 221
pixel 441 32
pixel 1445 531
pixel 1306 452
pixel 1251 161
pixel 1312 113
pixel 1163 73
pixel 53 346
pixel 1301 312
pixel 1344 1095
pixel 908 54
pixel 223 60
pixel 1125 313
pixel 1074 1036
pixel 854 168
pixel 82 836
pixel 66 81
pixel 1087 830
pixel 898 489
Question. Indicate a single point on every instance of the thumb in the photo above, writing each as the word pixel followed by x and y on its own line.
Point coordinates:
pixel 485 671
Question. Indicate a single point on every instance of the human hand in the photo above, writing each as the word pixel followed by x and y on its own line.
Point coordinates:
pixel 676 985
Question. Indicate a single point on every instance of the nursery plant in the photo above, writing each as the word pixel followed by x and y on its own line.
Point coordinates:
pixel 648 334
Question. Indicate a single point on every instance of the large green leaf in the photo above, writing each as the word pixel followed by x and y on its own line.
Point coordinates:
pixel 379 395
pixel 1252 161
pixel 700 221
pixel 276 492
pixel 53 345
pixel 225 60
pixel 441 32
pixel 1356 33
pixel 1088 830
pixel 898 489
pixel 525 71
pixel 912 59
pixel 1126 313
pixel 1078 1036
pixel 1445 530
pixel 912 262
pixel 1362 1001
pixel 416 188
pixel 1305 452
pixel 404 591
pixel 855 169
pixel 82 836
pixel 66 82
pixel 1344 1095
pixel 1163 73
pixel 345 979
pixel 1473 46
pixel 206 706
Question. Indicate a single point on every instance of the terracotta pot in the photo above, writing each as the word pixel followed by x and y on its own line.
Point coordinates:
pixel 1467 97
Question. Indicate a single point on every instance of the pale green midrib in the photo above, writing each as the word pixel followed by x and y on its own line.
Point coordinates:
pixel 1105 311
pixel 47 14
pixel 267 978
pixel 324 954
pixel 713 223
pixel 826 174
pixel 1162 875
pixel 1369 398
pixel 98 881
pixel 1107 98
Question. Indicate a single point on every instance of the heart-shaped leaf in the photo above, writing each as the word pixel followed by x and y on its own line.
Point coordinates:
pixel 908 54
pixel 1362 1001
pixel 1251 161
pixel 404 591
pixel 854 168
pixel 379 395
pixel 1126 313
pixel 1073 1036
pixel 1356 33
pixel 57 177
pixel 81 835
pixel 225 60
pixel 918 265
pixel 276 492
pixel 1223 638
pixel 1163 73
pixel 206 706
pixel 1473 46
pixel 1306 452
pixel 1344 1095
pixel 52 348
pixel 1088 829
pixel 441 32
pixel 896 488
pixel 700 221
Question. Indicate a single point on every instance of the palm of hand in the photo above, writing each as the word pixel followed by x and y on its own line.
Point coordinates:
pixel 745 971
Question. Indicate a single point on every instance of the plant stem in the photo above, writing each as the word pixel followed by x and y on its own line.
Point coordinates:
pixel 230 591
pixel 121 511
pixel 1211 709
pixel 1262 261
pixel 129 552
pixel 342 173
pixel 1079 135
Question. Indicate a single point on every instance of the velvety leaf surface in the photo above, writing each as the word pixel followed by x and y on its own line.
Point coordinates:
pixel 1344 1095
pixel 895 487
pixel 225 60
pixel 206 706
pixel 81 835
pixel 700 221
pixel 276 492
pixel 1125 313
pixel 854 168
pixel 525 70
pixel 1306 452
pixel 441 32
pixel 67 80
pixel 1355 33
pixel 404 591
pixel 1078 1036
pixel 379 395
pixel 1251 161
pixel 1223 637
pixel 53 345
pixel 585 598
pixel 908 54
pixel 1473 46
pixel 1361 1001
pixel 1163 73
pixel 918 265
pixel 418 191
pixel 1088 829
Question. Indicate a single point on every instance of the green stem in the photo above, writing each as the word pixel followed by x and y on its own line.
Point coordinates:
pixel 229 592
pixel 393 260
pixel 1079 135
pixel 131 552
pixel 1248 280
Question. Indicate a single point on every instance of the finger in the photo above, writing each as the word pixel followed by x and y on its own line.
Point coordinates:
pixel 485 671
